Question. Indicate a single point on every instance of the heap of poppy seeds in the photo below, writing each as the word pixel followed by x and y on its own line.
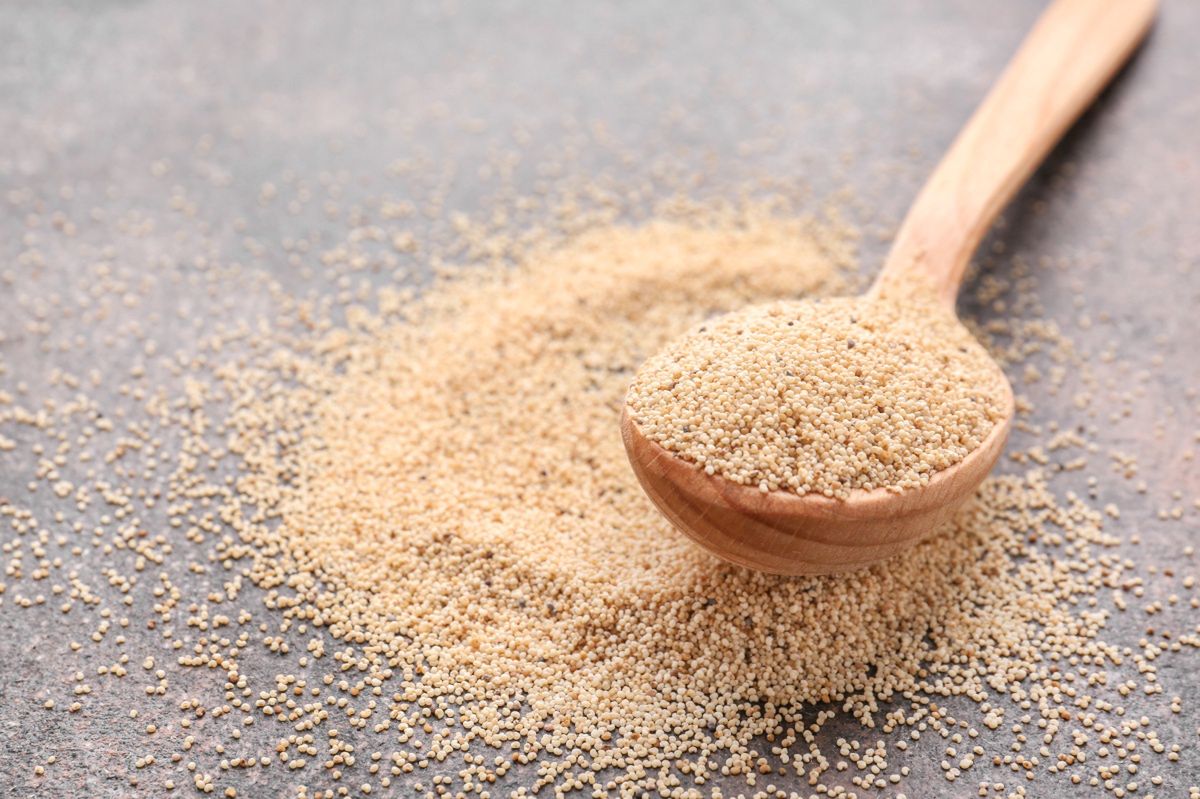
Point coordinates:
pixel 826 396
pixel 418 504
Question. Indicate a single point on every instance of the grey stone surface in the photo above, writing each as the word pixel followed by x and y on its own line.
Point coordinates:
pixel 229 95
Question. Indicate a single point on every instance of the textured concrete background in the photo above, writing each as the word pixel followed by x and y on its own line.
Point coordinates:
pixel 228 95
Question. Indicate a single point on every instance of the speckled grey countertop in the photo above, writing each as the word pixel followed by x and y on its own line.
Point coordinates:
pixel 129 106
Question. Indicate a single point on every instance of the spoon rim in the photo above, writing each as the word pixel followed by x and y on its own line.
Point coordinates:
pixel 860 505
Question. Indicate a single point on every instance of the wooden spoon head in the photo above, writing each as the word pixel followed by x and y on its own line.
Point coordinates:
pixel 785 533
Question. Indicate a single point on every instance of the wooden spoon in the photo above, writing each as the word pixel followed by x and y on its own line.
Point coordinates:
pixel 1070 55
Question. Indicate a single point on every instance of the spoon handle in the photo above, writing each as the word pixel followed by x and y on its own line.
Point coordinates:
pixel 1070 55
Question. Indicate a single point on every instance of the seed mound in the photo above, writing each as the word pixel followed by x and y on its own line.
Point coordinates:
pixel 399 551
pixel 443 490
pixel 824 396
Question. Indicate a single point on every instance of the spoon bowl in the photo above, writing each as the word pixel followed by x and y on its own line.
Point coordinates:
pixel 782 532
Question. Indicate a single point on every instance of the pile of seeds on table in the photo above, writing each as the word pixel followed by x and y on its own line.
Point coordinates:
pixel 417 504
pixel 827 396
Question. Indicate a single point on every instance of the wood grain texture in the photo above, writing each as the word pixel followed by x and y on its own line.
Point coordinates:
pixel 1072 53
